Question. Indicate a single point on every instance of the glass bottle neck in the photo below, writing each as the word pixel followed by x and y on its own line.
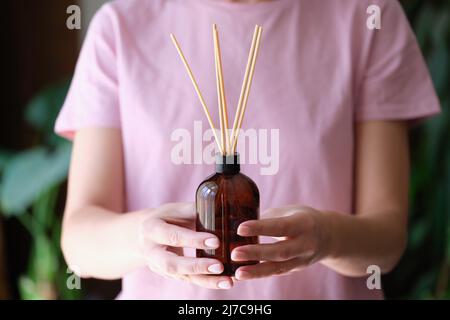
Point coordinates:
pixel 228 164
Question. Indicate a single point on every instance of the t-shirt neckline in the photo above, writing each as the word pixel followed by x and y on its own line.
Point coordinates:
pixel 243 6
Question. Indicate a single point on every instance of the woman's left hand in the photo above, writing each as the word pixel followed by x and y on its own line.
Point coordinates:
pixel 304 234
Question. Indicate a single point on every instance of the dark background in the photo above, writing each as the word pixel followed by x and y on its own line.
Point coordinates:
pixel 39 51
pixel 37 61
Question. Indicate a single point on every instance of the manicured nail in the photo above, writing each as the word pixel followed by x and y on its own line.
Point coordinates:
pixel 212 242
pixel 243 230
pixel 215 268
pixel 224 285
pixel 241 274
pixel 237 255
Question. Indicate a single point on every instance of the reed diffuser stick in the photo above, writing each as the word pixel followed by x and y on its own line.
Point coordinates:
pixel 197 90
pixel 243 89
pixel 247 91
pixel 223 127
pixel 224 108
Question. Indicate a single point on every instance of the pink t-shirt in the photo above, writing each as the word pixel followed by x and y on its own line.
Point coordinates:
pixel 319 70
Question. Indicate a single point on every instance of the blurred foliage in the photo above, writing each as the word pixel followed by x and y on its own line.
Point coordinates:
pixel 424 271
pixel 29 185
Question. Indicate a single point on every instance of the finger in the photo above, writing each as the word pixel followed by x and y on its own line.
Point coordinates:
pixel 173 264
pixel 212 282
pixel 275 227
pixel 279 251
pixel 176 236
pixel 279 212
pixel 266 269
pixel 182 210
pixel 180 213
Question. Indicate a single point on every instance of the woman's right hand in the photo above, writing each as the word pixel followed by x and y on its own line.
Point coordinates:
pixel 163 234
pixel 100 239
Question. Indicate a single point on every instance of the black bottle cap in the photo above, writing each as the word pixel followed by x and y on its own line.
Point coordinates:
pixel 228 164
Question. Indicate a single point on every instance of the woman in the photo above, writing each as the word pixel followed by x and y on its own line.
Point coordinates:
pixel 341 95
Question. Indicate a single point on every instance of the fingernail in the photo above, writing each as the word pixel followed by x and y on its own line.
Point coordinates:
pixel 243 230
pixel 224 285
pixel 215 268
pixel 240 274
pixel 212 242
pixel 237 255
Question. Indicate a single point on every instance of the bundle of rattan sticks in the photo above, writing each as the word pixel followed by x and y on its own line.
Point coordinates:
pixel 227 143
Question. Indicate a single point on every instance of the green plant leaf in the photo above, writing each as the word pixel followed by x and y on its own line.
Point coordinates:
pixel 28 289
pixel 44 261
pixel 425 19
pixel 42 110
pixel 418 233
pixel 30 174
pixel 440 28
pixel 424 286
pixel 4 158
pixel 44 208
pixel 447 206
pixel 438 62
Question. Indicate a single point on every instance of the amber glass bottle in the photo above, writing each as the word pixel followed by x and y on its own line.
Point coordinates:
pixel 223 201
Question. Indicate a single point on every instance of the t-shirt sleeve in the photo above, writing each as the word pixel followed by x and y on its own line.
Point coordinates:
pixel 396 84
pixel 92 100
